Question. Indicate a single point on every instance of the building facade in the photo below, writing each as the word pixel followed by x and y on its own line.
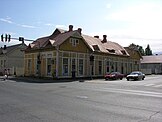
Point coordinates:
pixel 70 54
pixel 152 64
pixel 12 59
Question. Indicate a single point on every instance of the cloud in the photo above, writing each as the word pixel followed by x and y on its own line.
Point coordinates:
pixel 144 13
pixel 143 24
pixel 126 37
pixel 27 26
pixel 7 20
pixel 60 26
pixel 49 24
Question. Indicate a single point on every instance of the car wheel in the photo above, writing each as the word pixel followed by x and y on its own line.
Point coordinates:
pixel 121 78
pixel 127 79
pixel 143 78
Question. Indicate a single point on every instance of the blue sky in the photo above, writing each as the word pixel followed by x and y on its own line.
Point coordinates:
pixel 123 21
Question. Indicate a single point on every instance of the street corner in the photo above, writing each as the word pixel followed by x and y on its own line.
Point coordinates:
pixel 96 81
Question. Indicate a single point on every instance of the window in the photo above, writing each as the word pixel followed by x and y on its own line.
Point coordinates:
pixel 100 67
pixel 80 66
pixel 77 41
pixel 49 61
pixel 116 66
pixel 107 64
pixel 65 66
pixel 1 63
pixel 4 63
pixel 111 50
pixel 96 47
pixel 123 52
pixel 74 42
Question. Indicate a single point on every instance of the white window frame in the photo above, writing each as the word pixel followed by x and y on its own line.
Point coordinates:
pixel 74 42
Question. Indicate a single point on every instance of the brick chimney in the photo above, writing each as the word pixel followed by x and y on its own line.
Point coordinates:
pixel 96 37
pixel 70 27
pixel 104 39
pixel 80 30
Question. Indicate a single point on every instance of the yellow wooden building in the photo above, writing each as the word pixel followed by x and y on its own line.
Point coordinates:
pixel 70 54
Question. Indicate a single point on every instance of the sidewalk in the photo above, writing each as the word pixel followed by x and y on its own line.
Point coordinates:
pixel 37 80
pixel 50 80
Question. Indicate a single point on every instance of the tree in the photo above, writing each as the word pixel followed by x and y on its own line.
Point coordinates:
pixel 141 50
pixel 138 48
pixel 148 51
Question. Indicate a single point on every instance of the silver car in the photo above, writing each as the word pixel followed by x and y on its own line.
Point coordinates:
pixel 136 75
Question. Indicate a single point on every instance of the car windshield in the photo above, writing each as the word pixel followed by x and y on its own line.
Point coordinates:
pixel 134 73
pixel 113 73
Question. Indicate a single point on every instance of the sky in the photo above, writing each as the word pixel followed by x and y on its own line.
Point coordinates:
pixel 123 21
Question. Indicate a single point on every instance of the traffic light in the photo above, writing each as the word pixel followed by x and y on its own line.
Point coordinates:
pixel 6 38
pixel 9 38
pixel 2 37
pixel 21 38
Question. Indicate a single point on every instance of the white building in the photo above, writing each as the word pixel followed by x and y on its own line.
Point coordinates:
pixel 152 64
pixel 12 59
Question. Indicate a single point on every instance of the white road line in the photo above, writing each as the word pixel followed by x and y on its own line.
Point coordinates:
pixel 158 85
pixel 134 92
pixel 149 85
pixel 82 97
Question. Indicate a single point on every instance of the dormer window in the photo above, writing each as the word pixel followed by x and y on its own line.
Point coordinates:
pixel 111 50
pixel 74 42
pixel 96 47
pixel 123 52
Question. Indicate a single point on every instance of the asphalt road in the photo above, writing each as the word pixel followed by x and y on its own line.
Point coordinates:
pixel 89 101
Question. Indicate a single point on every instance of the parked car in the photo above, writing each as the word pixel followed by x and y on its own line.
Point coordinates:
pixel 136 75
pixel 114 76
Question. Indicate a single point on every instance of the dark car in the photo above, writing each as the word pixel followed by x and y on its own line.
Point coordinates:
pixel 114 76
pixel 136 75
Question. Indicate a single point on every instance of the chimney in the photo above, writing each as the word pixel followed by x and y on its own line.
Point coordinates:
pixel 104 39
pixel 80 30
pixel 96 37
pixel 70 27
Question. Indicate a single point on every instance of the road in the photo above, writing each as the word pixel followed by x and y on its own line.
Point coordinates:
pixel 89 101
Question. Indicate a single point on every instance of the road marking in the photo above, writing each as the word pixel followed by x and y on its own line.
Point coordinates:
pixel 135 92
pixel 149 85
pixel 158 85
pixel 82 97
